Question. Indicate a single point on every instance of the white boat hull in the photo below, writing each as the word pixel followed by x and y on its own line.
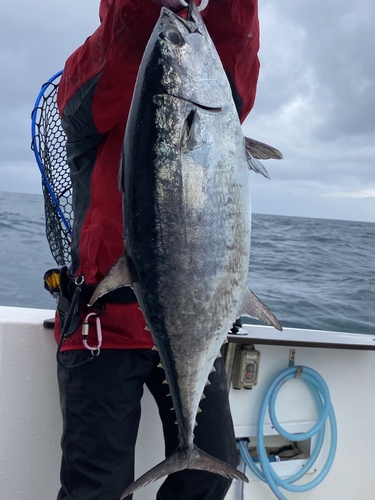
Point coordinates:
pixel 30 420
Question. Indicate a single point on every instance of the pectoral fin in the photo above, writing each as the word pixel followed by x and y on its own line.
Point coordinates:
pixel 252 306
pixel 262 151
pixel 256 150
pixel 192 132
pixel 117 277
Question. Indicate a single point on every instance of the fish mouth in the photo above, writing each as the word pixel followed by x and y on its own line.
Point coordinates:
pixel 208 109
pixel 205 108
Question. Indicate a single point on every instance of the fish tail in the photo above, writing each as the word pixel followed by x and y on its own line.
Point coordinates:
pixel 193 458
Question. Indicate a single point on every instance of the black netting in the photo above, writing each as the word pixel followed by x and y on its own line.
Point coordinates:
pixel 49 143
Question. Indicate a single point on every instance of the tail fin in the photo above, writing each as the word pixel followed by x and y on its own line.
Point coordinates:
pixel 193 458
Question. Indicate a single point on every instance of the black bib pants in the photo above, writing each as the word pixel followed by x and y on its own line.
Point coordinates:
pixel 101 409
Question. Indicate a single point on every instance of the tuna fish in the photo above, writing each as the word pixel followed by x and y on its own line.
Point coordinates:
pixel 186 208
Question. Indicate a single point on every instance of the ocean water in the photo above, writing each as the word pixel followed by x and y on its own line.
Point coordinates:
pixel 24 252
pixel 312 273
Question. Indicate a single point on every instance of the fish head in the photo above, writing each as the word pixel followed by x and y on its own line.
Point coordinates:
pixel 184 61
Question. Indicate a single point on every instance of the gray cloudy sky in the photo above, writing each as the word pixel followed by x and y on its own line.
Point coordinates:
pixel 315 102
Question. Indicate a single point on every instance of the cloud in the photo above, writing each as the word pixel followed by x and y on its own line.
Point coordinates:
pixel 20 177
pixel 316 103
pixel 337 50
pixel 365 193
pixel 35 40
pixel 315 99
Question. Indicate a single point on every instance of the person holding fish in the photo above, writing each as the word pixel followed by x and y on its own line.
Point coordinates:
pixel 100 400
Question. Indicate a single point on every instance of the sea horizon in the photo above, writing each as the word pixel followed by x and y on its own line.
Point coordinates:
pixel 312 273
pixel 253 213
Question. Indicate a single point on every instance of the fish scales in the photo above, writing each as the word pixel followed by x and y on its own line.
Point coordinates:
pixel 187 217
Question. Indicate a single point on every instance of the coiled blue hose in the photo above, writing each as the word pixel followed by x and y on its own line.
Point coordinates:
pixel 320 391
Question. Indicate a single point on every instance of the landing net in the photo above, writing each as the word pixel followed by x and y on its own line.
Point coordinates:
pixel 48 144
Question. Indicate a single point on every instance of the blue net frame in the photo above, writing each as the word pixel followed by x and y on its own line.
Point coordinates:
pixel 48 145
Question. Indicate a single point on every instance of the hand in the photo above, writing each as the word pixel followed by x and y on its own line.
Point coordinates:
pixel 170 4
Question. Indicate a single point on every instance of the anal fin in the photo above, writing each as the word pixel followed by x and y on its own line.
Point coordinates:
pixel 252 306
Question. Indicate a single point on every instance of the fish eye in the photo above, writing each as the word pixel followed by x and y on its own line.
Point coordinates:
pixel 172 34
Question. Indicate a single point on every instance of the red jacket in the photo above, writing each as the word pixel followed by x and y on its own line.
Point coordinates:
pixel 94 97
